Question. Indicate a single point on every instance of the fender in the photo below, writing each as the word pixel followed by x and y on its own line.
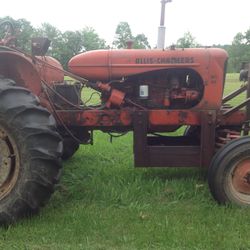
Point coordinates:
pixel 29 72
pixel 20 68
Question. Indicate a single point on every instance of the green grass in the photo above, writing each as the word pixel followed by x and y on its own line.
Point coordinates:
pixel 232 83
pixel 102 202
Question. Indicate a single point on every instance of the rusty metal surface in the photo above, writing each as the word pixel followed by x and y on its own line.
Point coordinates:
pixel 241 177
pixel 123 110
pixel 140 127
pixel 208 125
pixel 21 69
pixel 163 151
pixel 9 163
pixel 174 156
pixel 159 120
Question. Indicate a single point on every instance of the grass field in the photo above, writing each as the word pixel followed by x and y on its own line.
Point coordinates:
pixel 102 202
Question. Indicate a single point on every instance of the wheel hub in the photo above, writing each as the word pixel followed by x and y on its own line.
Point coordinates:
pixel 9 166
pixel 241 177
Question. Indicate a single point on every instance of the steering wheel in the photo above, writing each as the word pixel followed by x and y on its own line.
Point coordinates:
pixel 7 31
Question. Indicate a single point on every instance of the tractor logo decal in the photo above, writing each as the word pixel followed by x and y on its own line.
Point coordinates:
pixel 165 60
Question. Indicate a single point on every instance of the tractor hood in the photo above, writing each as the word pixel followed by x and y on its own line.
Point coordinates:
pixel 106 65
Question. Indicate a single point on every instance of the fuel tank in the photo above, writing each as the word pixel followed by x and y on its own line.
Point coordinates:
pixel 106 65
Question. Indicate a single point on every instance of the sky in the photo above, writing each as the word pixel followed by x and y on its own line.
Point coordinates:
pixel 209 21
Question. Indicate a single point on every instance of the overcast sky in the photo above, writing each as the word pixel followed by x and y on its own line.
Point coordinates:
pixel 209 21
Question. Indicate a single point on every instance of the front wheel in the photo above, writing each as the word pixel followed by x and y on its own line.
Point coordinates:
pixel 229 173
pixel 30 151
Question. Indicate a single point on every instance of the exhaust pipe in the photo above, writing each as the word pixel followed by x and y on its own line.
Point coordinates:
pixel 162 28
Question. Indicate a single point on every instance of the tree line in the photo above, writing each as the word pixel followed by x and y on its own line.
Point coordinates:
pixel 238 51
pixel 66 44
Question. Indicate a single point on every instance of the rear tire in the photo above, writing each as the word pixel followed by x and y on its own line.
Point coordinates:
pixel 70 146
pixel 30 153
pixel 229 173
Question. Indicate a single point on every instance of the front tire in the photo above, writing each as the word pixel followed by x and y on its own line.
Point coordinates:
pixel 229 173
pixel 30 152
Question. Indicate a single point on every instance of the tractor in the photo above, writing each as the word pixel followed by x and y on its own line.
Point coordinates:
pixel 153 93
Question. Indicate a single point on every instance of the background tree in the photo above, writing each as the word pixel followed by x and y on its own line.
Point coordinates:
pixel 70 45
pixel 65 45
pixel 55 36
pixel 239 51
pixel 141 42
pixel 91 40
pixel 24 31
pixel 187 41
pixel 75 42
pixel 123 34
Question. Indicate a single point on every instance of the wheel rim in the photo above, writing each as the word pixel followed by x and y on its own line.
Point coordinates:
pixel 9 163
pixel 239 181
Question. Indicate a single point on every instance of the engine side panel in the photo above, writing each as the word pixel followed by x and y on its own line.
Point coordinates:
pixel 110 65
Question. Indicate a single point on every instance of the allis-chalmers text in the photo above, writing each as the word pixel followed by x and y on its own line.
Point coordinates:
pixel 165 60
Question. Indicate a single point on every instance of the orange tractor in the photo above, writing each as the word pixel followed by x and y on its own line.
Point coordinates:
pixel 150 92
